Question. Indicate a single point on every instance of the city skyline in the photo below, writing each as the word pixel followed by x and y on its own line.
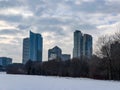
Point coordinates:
pixel 56 20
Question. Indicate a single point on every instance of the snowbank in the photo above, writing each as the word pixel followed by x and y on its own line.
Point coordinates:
pixel 25 82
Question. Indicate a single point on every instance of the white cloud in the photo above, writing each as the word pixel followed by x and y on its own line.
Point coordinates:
pixel 113 1
pixel 16 11
pixel 5 25
pixel 109 29
pixel 56 20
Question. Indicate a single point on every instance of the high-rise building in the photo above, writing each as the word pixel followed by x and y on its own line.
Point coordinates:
pixel 26 50
pixel 4 61
pixel 54 53
pixel 36 46
pixel 66 57
pixel 78 39
pixel 32 48
pixel 87 46
pixel 82 45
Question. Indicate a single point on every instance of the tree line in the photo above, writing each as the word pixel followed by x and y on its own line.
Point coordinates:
pixel 104 65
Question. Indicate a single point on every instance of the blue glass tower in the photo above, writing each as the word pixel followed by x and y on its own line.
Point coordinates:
pixel 87 46
pixel 78 44
pixel 82 45
pixel 36 46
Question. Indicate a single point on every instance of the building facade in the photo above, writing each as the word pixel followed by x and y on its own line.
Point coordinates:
pixel 36 46
pixel 32 48
pixel 26 50
pixel 4 61
pixel 87 46
pixel 54 53
pixel 66 57
pixel 82 45
pixel 78 44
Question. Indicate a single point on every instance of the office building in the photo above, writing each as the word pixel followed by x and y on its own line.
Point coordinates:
pixel 66 57
pixel 26 50
pixel 87 46
pixel 78 44
pixel 54 53
pixel 4 61
pixel 32 47
pixel 36 46
pixel 82 45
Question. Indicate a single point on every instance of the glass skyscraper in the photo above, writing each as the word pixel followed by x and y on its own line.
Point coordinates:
pixel 36 46
pixel 78 45
pixel 87 46
pixel 82 45
pixel 26 50
pixel 4 61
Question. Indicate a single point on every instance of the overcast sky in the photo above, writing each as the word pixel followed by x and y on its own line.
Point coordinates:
pixel 56 20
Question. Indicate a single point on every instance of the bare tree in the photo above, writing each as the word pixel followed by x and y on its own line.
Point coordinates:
pixel 103 50
pixel 117 36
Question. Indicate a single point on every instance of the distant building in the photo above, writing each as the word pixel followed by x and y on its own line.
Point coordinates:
pixel 32 47
pixel 54 53
pixel 78 44
pixel 26 50
pixel 82 45
pixel 4 61
pixel 87 46
pixel 66 57
pixel 36 46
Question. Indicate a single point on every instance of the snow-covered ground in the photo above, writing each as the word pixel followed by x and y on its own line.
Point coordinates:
pixel 24 82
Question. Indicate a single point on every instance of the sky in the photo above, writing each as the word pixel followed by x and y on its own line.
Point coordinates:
pixel 56 20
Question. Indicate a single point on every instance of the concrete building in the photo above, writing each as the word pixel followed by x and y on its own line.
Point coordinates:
pixel 66 57
pixel 82 45
pixel 54 53
pixel 36 46
pixel 4 61
pixel 26 50
pixel 87 46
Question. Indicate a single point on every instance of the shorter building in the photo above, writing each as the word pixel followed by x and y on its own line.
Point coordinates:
pixel 26 50
pixel 66 57
pixel 54 53
pixel 4 61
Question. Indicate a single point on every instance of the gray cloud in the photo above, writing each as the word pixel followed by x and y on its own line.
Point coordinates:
pixel 9 32
pixel 55 19
pixel 11 18
pixel 9 3
pixel 23 27
pixel 3 38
